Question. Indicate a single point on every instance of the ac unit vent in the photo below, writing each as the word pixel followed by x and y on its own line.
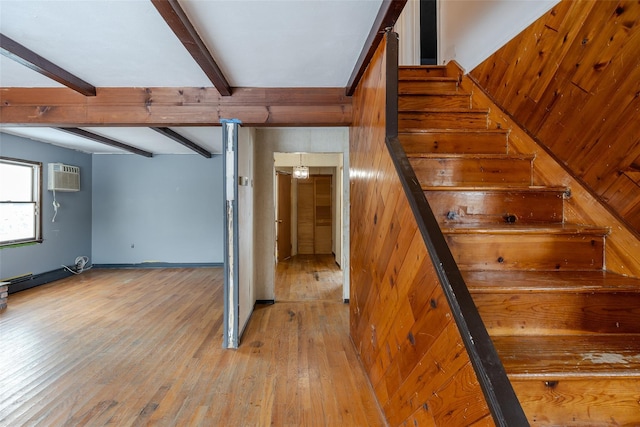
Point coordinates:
pixel 63 177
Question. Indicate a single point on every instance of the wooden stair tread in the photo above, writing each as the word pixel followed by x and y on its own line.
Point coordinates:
pixel 423 67
pixel 519 281
pixel 453 131
pixel 430 130
pixel 546 228
pixel 470 156
pixel 426 78
pixel 570 356
pixel 497 188
pixel 440 92
pixel 445 111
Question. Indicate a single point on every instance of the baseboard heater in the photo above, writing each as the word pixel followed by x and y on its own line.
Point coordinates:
pixel 29 281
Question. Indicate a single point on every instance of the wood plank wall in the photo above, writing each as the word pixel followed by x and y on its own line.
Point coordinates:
pixel 572 80
pixel 400 321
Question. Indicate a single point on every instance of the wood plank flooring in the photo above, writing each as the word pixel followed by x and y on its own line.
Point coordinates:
pixel 144 347
pixel 307 278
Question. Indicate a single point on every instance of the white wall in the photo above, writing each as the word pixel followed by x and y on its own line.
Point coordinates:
pixel 471 30
pixel 246 293
pixel 307 140
pixel 408 29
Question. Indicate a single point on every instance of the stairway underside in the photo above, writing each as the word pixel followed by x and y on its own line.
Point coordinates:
pixel 567 331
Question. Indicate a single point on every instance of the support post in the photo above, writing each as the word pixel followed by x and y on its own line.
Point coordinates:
pixel 231 270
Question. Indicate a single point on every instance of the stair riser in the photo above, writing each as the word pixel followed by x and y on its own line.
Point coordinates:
pixel 527 251
pixel 559 313
pixel 408 71
pixel 441 120
pixel 419 102
pixel 426 87
pixel 450 143
pixel 593 401
pixel 494 207
pixel 460 172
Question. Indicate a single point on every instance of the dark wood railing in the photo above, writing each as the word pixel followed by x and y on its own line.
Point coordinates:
pixel 499 394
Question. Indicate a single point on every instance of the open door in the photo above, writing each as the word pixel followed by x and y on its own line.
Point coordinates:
pixel 283 229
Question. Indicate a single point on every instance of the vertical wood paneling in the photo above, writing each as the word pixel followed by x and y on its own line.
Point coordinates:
pixel 572 80
pixel 400 321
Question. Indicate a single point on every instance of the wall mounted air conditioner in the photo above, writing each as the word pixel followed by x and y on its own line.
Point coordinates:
pixel 63 177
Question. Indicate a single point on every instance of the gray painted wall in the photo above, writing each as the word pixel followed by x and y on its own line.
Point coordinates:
pixel 70 235
pixel 169 207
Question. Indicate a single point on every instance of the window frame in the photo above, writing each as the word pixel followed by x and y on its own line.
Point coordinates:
pixel 36 199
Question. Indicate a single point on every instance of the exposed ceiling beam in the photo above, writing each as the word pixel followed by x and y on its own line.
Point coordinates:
pixel 169 133
pixel 387 16
pixel 14 50
pixel 178 21
pixel 168 107
pixel 104 140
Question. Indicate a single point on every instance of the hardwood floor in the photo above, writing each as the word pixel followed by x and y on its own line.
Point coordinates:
pixel 144 347
pixel 308 278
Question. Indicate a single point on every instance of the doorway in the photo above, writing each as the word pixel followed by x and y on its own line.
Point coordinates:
pixel 307 249
pixel 428 32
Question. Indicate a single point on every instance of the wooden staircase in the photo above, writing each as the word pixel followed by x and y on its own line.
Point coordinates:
pixel 567 331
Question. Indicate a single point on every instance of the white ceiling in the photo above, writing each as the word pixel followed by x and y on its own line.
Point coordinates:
pixel 209 138
pixel 126 43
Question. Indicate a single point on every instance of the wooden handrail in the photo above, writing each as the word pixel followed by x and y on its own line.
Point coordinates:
pixel 498 392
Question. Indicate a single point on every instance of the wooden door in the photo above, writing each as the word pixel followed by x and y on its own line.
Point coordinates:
pixel 305 216
pixel 323 229
pixel 283 230
pixel 315 230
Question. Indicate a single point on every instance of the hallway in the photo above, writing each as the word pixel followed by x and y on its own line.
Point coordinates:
pixel 308 278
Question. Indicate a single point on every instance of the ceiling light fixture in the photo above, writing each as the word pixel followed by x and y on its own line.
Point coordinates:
pixel 300 172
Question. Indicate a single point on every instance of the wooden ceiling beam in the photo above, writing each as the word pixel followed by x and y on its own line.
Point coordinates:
pixel 177 20
pixel 22 55
pixel 104 140
pixel 168 107
pixel 169 133
pixel 388 14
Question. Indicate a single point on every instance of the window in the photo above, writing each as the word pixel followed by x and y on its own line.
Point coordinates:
pixel 20 197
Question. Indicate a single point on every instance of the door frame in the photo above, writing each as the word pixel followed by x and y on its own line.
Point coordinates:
pixel 337 161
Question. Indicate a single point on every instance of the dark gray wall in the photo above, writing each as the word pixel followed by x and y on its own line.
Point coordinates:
pixel 70 235
pixel 168 207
